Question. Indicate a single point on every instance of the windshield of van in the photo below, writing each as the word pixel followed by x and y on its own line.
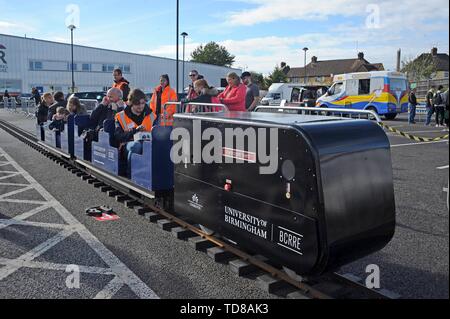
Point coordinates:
pixel 337 88
pixel 398 85
pixel 275 96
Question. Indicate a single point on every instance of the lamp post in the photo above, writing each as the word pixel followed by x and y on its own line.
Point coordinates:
pixel 184 35
pixel 177 45
pixel 306 74
pixel 71 28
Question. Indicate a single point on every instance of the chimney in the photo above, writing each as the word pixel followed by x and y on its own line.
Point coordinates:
pixel 283 65
pixel 434 52
pixel 399 59
pixel 314 59
pixel 361 55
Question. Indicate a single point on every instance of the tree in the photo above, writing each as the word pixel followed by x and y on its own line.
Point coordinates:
pixel 420 68
pixel 258 79
pixel 213 53
pixel 277 76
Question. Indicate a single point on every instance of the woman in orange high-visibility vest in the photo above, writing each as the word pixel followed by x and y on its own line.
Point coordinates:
pixel 134 119
pixel 163 94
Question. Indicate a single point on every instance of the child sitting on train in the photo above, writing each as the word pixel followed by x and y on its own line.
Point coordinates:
pixel 59 119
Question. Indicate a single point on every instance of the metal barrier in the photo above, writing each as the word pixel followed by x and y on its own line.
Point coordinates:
pixel 197 107
pixel 320 111
pixel 421 113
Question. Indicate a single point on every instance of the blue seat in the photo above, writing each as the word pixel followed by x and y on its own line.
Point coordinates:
pixel 105 155
pixel 40 134
pixel 154 169
pixel 67 136
pixel 82 148
pixel 52 138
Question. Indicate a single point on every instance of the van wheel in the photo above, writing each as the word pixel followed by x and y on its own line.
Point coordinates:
pixel 373 109
pixel 390 116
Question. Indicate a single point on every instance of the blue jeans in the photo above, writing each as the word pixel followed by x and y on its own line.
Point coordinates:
pixel 430 112
pixel 412 113
pixel 132 148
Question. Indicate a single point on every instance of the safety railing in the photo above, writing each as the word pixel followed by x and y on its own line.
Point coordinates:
pixel 421 113
pixel 10 104
pixel 349 113
pixel 197 107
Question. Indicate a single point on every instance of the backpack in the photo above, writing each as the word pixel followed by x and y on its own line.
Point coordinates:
pixel 438 99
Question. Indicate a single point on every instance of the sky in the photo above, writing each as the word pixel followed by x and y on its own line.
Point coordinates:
pixel 260 33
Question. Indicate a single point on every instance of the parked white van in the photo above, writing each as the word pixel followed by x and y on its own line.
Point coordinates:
pixel 292 93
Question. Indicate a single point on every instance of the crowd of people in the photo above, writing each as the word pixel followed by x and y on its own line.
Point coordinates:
pixel 437 103
pixel 132 113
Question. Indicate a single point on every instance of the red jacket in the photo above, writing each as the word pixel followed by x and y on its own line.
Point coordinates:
pixel 234 98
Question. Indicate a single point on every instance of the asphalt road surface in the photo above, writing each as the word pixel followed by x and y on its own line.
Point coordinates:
pixel 44 232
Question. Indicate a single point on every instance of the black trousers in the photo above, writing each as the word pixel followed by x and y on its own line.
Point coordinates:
pixel 440 115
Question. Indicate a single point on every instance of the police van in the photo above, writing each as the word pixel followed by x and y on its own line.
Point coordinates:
pixel 382 91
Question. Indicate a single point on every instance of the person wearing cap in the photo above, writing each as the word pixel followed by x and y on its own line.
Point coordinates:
pixel 252 98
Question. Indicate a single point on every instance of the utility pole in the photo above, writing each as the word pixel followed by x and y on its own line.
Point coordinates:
pixel 306 74
pixel 184 35
pixel 72 27
pixel 178 44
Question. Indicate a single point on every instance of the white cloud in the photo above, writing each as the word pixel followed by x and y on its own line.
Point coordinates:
pixel 393 13
pixel 9 27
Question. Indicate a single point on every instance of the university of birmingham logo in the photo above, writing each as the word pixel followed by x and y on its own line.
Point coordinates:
pixel 3 54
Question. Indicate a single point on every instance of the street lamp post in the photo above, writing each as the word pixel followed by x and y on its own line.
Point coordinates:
pixel 184 35
pixel 72 27
pixel 177 45
pixel 306 74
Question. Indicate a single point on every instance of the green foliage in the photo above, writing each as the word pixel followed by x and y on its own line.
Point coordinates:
pixel 213 53
pixel 258 79
pixel 420 68
pixel 277 76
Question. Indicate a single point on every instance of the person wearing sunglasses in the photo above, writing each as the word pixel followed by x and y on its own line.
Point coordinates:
pixel 194 76
pixel 136 118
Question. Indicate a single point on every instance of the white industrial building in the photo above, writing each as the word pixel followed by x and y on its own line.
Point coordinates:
pixel 26 63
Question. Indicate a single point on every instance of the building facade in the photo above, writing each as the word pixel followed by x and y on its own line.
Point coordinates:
pixel 322 72
pixel 26 63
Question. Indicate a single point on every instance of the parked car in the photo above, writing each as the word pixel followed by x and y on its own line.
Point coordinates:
pixel 90 95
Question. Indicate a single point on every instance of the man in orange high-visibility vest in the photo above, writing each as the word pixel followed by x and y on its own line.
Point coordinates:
pixel 162 95
pixel 121 83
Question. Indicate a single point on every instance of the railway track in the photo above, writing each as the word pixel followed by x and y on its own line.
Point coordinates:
pixel 269 277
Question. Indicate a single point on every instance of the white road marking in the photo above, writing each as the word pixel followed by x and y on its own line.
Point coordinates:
pixel 13 184
pixel 412 132
pixel 9 176
pixel 52 266
pixel 415 144
pixel 110 290
pixel 443 167
pixel 17 191
pixel 13 222
pixel 123 274
pixel 35 252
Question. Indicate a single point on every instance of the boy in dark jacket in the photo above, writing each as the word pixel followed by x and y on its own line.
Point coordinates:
pixel 59 119
pixel 59 102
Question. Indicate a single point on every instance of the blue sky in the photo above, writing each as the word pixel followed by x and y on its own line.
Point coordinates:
pixel 261 33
